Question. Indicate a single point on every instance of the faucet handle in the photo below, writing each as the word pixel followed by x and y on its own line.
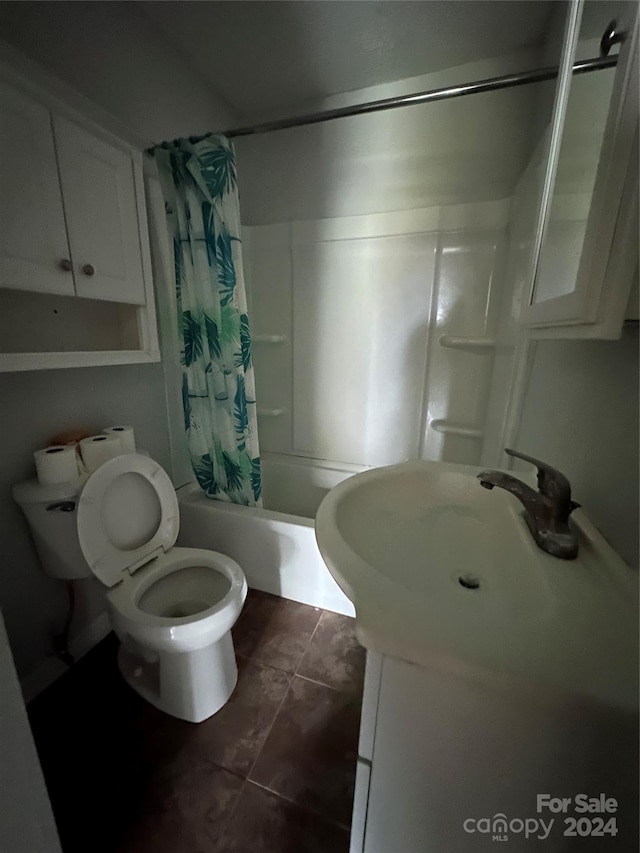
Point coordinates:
pixel 551 482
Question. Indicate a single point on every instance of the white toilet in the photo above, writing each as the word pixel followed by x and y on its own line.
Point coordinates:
pixel 172 608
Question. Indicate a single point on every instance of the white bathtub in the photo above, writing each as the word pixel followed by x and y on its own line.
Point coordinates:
pixel 276 545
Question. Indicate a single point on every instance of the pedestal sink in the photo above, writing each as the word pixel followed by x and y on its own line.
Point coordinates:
pixel 442 572
pixel 495 672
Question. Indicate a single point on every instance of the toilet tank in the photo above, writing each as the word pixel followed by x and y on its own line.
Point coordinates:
pixel 51 514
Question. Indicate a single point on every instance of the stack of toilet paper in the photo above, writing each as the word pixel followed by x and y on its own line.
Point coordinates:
pixel 73 462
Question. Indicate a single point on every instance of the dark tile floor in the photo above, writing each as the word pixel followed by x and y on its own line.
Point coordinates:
pixel 272 772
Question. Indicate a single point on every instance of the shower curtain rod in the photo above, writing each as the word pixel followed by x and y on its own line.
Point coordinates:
pixel 490 84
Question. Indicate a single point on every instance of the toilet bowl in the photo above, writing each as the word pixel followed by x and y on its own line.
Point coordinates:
pixel 174 619
pixel 172 608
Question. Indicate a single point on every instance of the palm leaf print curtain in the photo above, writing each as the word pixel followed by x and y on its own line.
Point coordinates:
pixel 218 393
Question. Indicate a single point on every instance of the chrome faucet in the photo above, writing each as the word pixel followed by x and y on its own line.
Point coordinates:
pixel 547 511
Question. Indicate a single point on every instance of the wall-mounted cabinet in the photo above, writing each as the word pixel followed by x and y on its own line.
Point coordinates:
pixel 585 246
pixel 75 275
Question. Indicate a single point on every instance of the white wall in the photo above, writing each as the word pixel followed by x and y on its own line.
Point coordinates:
pixel 581 415
pixel 111 53
pixel 35 406
pixel 142 88
pixel 450 152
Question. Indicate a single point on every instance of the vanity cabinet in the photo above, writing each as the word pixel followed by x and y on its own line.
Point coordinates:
pixel 584 248
pixel 442 748
pixel 75 269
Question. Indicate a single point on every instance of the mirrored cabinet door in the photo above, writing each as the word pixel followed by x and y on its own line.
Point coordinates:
pixel 585 249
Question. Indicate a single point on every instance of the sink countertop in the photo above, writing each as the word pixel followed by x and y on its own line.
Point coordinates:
pixel 398 539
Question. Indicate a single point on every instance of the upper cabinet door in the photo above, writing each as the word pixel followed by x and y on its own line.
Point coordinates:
pixel 34 253
pixel 587 245
pixel 99 189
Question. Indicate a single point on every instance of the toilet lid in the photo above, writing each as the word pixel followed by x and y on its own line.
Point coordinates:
pixel 127 514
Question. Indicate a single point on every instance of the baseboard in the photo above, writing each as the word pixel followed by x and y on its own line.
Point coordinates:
pixel 51 668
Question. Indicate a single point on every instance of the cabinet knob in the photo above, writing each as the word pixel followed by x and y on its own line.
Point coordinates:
pixel 65 265
pixel 87 269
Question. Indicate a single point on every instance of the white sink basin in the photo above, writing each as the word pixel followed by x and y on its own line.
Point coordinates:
pixel 443 572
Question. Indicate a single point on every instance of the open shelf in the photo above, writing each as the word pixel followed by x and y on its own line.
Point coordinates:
pixel 46 331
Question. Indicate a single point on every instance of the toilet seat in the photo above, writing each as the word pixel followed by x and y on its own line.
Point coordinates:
pixel 186 631
pixel 127 515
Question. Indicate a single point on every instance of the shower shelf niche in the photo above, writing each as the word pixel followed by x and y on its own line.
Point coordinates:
pixel 270 413
pixel 466 342
pixel 269 339
pixel 450 428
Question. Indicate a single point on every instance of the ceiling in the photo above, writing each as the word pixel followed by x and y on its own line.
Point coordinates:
pixel 265 58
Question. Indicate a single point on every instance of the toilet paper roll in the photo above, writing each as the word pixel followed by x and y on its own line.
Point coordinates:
pixel 98 449
pixel 126 436
pixel 55 465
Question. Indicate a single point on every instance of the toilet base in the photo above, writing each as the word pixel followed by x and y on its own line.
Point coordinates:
pixel 189 685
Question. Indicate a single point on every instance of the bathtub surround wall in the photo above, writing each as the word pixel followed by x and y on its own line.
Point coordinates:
pixel 100 49
pixel 509 341
pixel 373 334
pixel 375 251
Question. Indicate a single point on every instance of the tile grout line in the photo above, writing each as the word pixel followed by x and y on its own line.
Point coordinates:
pixel 228 817
pixel 313 680
pixel 275 717
pixel 306 648
pixel 269 730
pixel 335 689
pixel 307 809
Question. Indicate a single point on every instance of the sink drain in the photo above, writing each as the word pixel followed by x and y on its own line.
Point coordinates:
pixel 469 581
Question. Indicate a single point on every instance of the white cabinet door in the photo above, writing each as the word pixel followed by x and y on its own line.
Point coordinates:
pixel 100 200
pixel 33 240
pixel 451 749
pixel 587 234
